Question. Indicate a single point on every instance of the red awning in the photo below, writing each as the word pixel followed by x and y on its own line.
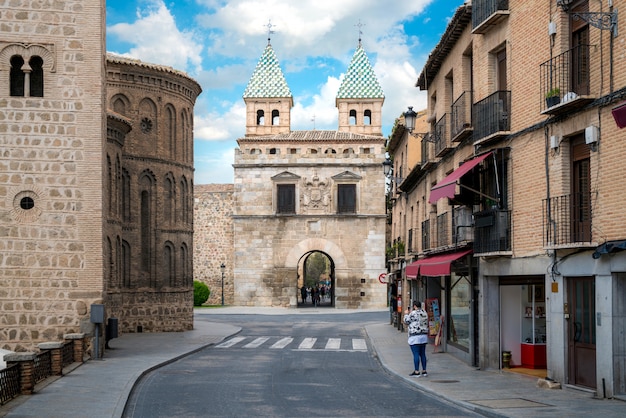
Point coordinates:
pixel 447 186
pixel 437 265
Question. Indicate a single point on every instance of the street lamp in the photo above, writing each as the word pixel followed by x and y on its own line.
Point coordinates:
pixel 409 119
pixel 223 268
pixel 600 20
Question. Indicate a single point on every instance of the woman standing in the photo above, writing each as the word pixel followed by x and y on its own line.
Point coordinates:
pixel 417 320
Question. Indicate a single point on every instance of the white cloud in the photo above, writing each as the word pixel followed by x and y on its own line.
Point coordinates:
pixel 158 40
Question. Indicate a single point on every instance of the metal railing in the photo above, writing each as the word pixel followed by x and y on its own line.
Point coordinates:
pixel 482 9
pixel 67 353
pixel 492 231
pixel 425 235
pixel 441 138
pixel 427 149
pixel 461 114
pixel 565 77
pixel 443 229
pixel 43 366
pixel 492 114
pixel 565 222
pixel 9 383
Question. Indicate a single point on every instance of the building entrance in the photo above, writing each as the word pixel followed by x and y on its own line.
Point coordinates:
pixel 581 297
pixel 316 280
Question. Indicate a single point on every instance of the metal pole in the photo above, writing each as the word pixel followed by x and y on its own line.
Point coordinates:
pixel 222 287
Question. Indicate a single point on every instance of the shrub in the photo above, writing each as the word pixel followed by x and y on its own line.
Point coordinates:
pixel 201 293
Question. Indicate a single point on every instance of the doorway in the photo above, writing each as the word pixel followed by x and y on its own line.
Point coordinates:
pixel 316 280
pixel 581 344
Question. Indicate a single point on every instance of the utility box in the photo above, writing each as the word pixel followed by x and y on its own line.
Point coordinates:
pixel 111 330
pixel 97 313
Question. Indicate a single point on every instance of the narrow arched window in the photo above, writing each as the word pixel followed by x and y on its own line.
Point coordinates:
pixel 36 76
pixel 352 117
pixel 367 117
pixel 260 117
pixel 275 117
pixel 17 76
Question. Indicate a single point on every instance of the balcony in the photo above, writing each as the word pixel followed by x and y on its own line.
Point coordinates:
pixel 492 231
pixel 565 81
pixel 567 224
pixel 443 230
pixel 461 123
pixel 426 235
pixel 492 117
pixel 462 225
pixel 488 13
pixel 428 153
pixel 441 137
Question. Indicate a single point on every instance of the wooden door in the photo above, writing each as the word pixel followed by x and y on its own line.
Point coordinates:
pixel 582 331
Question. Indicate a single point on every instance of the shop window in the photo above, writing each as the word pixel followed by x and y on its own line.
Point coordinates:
pixel 459 311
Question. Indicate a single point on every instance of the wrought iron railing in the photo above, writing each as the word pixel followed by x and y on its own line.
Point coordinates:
pixel 462 224
pixel 427 149
pixel 492 231
pixel 482 9
pixel 442 140
pixel 67 353
pixel 425 235
pixel 9 383
pixel 492 114
pixel 43 366
pixel 443 229
pixel 565 222
pixel 461 114
pixel 565 77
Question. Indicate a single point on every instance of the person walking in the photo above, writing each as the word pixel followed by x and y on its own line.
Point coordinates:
pixel 303 294
pixel 417 320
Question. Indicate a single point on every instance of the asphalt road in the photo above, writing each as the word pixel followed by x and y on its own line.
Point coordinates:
pixel 284 366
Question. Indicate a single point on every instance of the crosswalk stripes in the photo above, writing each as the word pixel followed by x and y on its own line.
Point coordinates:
pixel 303 344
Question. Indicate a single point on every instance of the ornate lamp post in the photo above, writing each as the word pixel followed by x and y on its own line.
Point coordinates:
pixel 223 268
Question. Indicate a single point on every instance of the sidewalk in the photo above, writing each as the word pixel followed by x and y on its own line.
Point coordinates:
pixel 100 388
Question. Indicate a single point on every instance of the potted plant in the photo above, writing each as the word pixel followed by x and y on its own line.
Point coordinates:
pixel 553 97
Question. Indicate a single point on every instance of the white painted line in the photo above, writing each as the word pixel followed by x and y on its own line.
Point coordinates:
pixel 359 344
pixel 333 344
pixel 256 343
pixel 231 342
pixel 282 343
pixel 307 343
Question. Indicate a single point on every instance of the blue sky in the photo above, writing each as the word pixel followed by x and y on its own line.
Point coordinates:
pixel 219 42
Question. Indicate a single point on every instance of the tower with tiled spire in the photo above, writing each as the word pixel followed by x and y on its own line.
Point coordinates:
pixel 268 98
pixel 360 97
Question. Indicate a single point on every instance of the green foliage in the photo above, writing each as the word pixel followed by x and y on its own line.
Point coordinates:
pixel 553 92
pixel 201 293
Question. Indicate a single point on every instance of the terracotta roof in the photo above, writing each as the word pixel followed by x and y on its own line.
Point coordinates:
pixel 268 79
pixel 314 136
pixel 360 81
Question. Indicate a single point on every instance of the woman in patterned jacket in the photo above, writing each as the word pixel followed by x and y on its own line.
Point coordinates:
pixel 417 320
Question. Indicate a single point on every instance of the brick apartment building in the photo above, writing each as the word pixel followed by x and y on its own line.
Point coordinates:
pixel 512 218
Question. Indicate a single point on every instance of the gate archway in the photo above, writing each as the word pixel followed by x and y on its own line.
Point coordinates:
pixel 316 280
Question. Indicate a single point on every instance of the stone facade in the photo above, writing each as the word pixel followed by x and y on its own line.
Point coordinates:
pixel 96 180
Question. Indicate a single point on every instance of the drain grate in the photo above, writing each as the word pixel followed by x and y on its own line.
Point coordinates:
pixel 445 381
pixel 507 403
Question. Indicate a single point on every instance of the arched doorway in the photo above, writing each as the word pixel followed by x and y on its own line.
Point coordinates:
pixel 316 280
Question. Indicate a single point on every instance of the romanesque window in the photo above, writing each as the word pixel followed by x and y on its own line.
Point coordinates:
pixel 109 187
pixel 260 117
pixel 119 106
pixel 273 151
pixel 169 197
pixel 169 266
pixel 126 282
pixel 185 126
pixel 286 198
pixel 348 151
pixel 346 198
pixel 109 266
pixel 170 130
pixel 184 265
pixel 125 192
pixel 26 80
pixel 147 222
pixel 185 202
pixel 275 117
pixel 352 120
pixel 330 151
pixel 367 117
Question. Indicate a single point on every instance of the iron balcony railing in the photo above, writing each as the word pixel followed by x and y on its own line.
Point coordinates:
pixel 565 77
pixel 43 366
pixel 426 235
pixel 442 140
pixel 566 222
pixel 462 224
pixel 9 383
pixel 427 149
pixel 443 230
pixel 483 9
pixel 409 242
pixel 492 115
pixel 461 114
pixel 492 231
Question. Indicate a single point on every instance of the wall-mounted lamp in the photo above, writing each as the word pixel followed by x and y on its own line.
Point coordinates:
pixel 409 119
pixel 600 20
pixel 388 171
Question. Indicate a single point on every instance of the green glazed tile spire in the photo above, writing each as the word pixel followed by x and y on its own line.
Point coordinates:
pixel 360 81
pixel 268 79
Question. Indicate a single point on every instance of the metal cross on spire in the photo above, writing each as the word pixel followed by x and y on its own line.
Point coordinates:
pixel 360 25
pixel 269 27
